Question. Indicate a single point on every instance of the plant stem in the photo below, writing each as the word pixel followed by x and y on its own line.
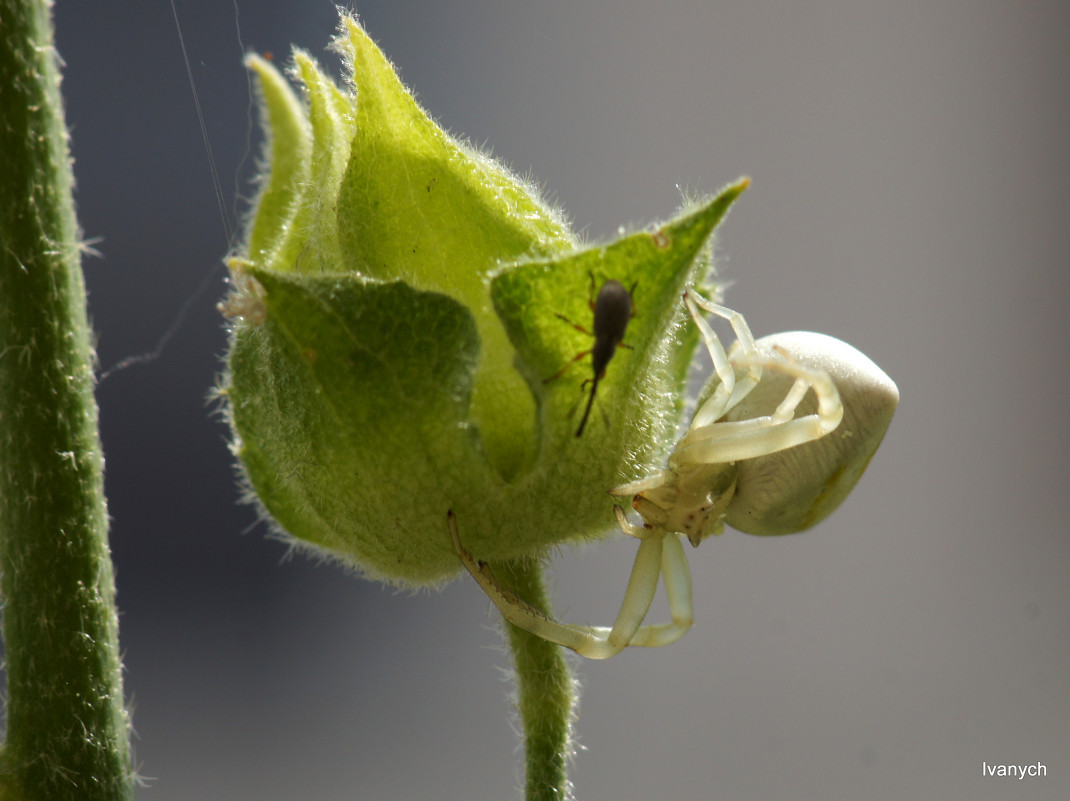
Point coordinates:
pixel 67 729
pixel 545 690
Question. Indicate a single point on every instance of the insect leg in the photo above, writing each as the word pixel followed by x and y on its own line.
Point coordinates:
pixel 568 364
pixel 575 325
pixel 678 587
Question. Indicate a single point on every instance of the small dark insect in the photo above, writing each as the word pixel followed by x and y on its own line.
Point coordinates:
pixel 612 311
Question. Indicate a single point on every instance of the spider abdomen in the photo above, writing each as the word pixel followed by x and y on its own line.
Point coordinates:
pixel 796 488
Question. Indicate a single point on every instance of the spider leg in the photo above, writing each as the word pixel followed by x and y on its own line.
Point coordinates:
pixel 677 577
pixel 731 390
pixel 659 479
pixel 597 642
pixel 748 439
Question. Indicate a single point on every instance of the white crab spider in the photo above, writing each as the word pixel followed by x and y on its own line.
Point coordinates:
pixel 763 454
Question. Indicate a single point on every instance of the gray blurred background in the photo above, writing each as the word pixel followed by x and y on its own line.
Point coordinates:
pixel 910 194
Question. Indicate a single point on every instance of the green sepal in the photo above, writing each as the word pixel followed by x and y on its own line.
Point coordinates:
pixel 638 404
pixel 313 235
pixel 419 204
pixel 288 150
pixel 351 398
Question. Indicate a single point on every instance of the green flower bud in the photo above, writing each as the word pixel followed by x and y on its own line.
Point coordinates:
pixel 396 314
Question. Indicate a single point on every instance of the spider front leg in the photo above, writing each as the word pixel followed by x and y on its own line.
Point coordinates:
pixel 598 642
pixel 731 390
pixel 721 442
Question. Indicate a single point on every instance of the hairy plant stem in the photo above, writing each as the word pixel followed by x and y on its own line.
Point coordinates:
pixel 67 728
pixel 545 690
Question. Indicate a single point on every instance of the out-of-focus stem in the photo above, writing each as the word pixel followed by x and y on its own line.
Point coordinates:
pixel 67 729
